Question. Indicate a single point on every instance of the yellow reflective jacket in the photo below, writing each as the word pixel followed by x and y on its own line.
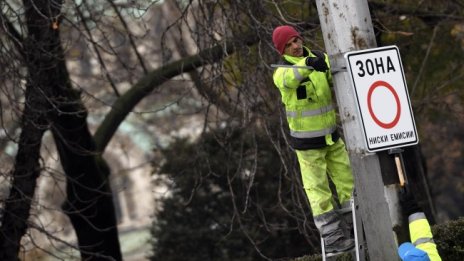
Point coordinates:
pixel 421 235
pixel 307 98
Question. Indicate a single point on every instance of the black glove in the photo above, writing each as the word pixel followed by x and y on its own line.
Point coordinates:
pixel 319 54
pixel 318 62
pixel 408 203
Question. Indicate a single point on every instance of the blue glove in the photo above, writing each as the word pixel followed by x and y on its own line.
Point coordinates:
pixel 408 251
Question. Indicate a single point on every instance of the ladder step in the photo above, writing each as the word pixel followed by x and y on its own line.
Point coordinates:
pixel 344 210
pixel 340 253
pixel 357 247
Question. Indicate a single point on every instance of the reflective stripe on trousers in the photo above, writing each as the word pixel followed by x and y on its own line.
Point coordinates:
pixel 329 226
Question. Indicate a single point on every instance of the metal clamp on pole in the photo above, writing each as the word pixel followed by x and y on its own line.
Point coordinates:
pixel 332 70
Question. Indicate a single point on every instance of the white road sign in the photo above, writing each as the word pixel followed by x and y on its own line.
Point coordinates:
pixel 382 96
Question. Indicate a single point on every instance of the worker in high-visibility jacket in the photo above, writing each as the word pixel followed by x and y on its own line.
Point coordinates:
pixel 422 248
pixel 311 118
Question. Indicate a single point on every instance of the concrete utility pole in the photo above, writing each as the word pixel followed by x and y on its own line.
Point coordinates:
pixel 347 26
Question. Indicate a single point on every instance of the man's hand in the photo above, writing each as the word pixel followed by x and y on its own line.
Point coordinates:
pixel 408 203
pixel 319 54
pixel 318 62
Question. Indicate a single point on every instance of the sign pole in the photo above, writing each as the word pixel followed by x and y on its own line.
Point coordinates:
pixel 347 26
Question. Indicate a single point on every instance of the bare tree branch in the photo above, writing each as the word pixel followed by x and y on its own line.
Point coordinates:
pixel 125 104
pixel 95 46
pixel 11 31
pixel 129 34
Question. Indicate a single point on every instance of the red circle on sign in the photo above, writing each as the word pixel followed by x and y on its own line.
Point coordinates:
pixel 385 125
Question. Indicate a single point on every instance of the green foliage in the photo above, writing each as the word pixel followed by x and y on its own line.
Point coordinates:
pixel 449 238
pixel 230 200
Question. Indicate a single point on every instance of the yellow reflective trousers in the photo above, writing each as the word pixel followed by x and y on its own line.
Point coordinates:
pixel 315 164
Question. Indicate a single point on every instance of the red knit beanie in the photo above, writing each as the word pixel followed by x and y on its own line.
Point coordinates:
pixel 281 35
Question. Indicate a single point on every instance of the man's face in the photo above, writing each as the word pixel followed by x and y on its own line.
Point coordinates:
pixel 294 47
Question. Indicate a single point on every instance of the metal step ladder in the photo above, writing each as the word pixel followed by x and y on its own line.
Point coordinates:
pixel 358 252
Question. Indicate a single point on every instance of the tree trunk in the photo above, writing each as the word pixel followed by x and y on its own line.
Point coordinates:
pixel 89 202
pixel 51 102
pixel 24 178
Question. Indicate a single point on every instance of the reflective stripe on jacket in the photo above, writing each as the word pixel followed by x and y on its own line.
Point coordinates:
pixel 307 98
pixel 421 235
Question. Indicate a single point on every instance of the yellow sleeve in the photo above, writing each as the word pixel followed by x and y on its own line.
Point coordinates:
pixel 285 77
pixel 421 235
